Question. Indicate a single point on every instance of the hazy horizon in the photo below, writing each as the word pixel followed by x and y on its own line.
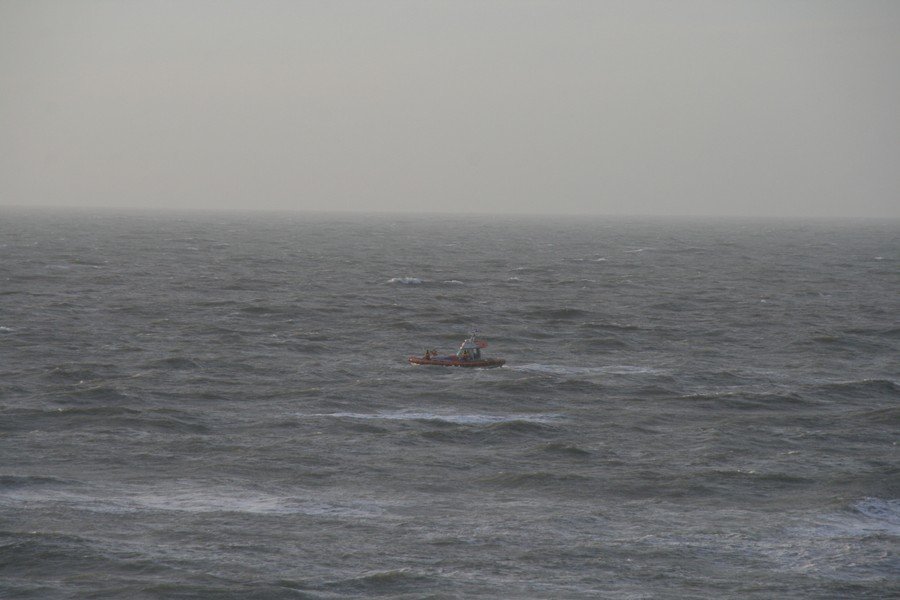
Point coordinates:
pixel 649 108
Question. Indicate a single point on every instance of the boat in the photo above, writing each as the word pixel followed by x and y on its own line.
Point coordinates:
pixel 468 355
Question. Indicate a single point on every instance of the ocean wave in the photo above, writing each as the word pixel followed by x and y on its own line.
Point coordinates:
pixel 455 419
pixel 177 363
pixel 882 515
pixel 536 480
pixel 308 348
pixel 261 309
pixel 385 582
pixel 564 449
pixel 862 388
pixel 759 478
pixel 525 384
pixel 251 502
pixel 80 372
pixel 617 327
pixel 541 269
pixel 406 280
pixel 560 314
pixel 21 481
pixel 877 416
pixel 886 332
pixel 599 345
pixel 198 499
pixel 748 400
pixel 839 343
pixel 23 553
pixel 103 418
pixel 92 412
pixel 98 393
pixel 522 427
pixel 856 544
pixel 863 517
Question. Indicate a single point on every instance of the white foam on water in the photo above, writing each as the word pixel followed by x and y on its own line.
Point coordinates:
pixel 406 280
pixel 191 499
pixel 887 511
pixel 460 419
pixel 564 370
pixel 197 501
pixel 203 501
pixel 454 282
pixel 851 545
pixel 55 499
pixel 869 516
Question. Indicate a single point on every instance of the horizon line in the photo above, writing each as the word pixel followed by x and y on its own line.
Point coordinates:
pixel 438 213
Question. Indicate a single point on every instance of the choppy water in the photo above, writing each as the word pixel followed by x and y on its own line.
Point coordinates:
pixel 218 406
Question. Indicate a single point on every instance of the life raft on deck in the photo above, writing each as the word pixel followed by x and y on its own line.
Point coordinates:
pixel 453 361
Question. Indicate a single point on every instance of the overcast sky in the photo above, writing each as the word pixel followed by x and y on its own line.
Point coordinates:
pixel 776 108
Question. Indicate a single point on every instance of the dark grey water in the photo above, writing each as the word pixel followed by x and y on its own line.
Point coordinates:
pixel 219 406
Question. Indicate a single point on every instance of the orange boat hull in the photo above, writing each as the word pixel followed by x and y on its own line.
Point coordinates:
pixel 484 363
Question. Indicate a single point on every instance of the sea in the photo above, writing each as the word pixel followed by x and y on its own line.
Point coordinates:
pixel 213 405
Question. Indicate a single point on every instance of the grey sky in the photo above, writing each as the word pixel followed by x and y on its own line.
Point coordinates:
pixel 777 108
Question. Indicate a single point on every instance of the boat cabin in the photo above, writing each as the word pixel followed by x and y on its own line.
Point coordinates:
pixel 470 349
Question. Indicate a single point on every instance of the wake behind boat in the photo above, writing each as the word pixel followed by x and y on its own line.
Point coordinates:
pixel 468 355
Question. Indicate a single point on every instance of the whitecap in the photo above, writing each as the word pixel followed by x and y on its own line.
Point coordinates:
pixel 406 280
pixel 454 282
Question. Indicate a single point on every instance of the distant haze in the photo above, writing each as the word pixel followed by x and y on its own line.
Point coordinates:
pixel 769 108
